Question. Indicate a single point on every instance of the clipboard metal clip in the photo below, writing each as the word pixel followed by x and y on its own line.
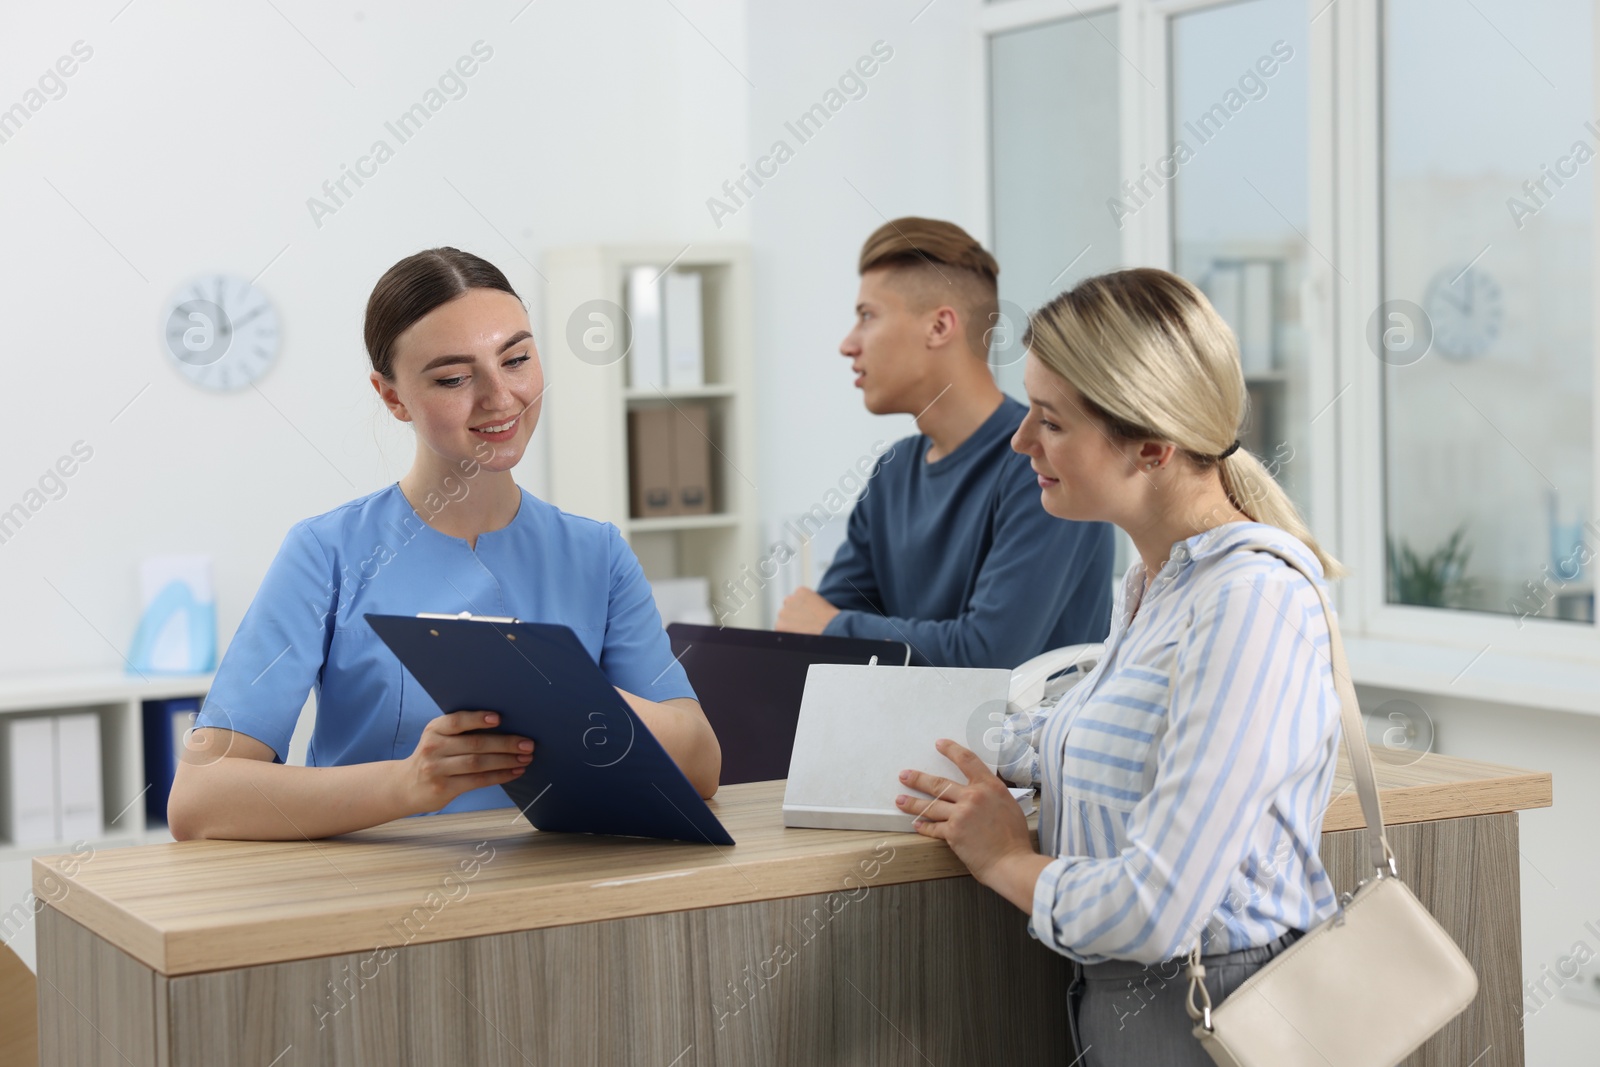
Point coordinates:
pixel 468 616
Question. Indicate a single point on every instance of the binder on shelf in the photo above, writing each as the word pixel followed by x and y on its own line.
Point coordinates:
pixel 77 759
pixel 1223 287
pixel 646 365
pixel 1255 327
pixel 166 723
pixel 650 462
pixel 691 459
pixel 680 307
pixel 31 770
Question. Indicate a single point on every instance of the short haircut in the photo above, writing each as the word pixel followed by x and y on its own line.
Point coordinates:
pixel 942 264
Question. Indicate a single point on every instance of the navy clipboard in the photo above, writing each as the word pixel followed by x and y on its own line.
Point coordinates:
pixel 597 769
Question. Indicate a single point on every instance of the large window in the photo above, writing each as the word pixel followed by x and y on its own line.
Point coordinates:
pixel 1236 154
pixel 1054 162
pixel 1486 332
pixel 1392 204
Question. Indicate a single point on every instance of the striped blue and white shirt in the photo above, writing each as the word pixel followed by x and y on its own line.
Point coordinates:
pixel 1185 777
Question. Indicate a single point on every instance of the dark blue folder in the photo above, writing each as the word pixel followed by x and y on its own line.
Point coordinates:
pixel 597 769
pixel 165 724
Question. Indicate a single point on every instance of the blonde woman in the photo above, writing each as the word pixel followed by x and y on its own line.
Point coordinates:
pixel 1184 779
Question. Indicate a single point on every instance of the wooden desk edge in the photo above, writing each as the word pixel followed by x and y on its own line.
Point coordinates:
pixel 194 950
pixel 133 935
pixel 1423 803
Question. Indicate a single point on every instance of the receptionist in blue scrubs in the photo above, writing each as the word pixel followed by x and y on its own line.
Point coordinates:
pixel 452 356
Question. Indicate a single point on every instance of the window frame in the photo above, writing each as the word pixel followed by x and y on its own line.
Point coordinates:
pixel 1346 498
pixel 1358 26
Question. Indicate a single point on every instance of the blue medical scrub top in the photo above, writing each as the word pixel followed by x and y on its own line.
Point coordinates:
pixel 305 629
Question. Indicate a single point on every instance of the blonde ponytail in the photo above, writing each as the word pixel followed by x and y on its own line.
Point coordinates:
pixel 1147 350
pixel 1254 491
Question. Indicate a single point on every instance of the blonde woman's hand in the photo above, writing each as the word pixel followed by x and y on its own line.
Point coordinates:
pixel 979 819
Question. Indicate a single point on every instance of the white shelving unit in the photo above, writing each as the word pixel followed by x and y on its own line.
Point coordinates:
pixel 587 403
pixel 118 699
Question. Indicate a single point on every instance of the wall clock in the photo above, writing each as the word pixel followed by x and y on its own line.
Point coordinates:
pixel 220 332
pixel 1463 303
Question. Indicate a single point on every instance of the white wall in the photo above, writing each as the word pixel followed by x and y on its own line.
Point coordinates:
pixel 190 141
pixel 911 145
pixel 193 137
pixel 1560 867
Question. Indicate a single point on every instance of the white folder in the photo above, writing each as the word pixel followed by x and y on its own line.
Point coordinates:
pixel 1257 320
pixel 861 726
pixel 78 776
pixel 31 759
pixel 646 365
pixel 685 340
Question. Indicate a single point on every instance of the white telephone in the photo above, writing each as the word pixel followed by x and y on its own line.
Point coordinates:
pixel 1043 678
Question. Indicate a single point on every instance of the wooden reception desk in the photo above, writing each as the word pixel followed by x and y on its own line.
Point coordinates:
pixel 473 939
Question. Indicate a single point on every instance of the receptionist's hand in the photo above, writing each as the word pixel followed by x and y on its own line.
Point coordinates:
pixel 980 820
pixel 449 760
pixel 804 611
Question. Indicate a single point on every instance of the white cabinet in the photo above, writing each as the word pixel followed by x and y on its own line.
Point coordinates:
pixel 585 415
pixel 106 705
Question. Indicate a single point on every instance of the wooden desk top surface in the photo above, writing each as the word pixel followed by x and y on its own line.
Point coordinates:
pixel 195 906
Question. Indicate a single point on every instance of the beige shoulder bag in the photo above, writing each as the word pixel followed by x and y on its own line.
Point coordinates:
pixel 1331 997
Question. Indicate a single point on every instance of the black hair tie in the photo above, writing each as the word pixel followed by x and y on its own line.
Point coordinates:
pixel 1230 451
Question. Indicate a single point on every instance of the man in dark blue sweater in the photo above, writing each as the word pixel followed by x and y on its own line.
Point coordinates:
pixel 949 548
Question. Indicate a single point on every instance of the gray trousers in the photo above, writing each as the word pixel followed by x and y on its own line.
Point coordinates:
pixel 1126 1014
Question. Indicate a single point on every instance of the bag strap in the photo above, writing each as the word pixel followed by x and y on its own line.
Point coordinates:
pixel 1355 731
pixel 1198 1004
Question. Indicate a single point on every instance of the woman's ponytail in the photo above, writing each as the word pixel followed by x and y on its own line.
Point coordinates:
pixel 1254 491
pixel 1147 350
